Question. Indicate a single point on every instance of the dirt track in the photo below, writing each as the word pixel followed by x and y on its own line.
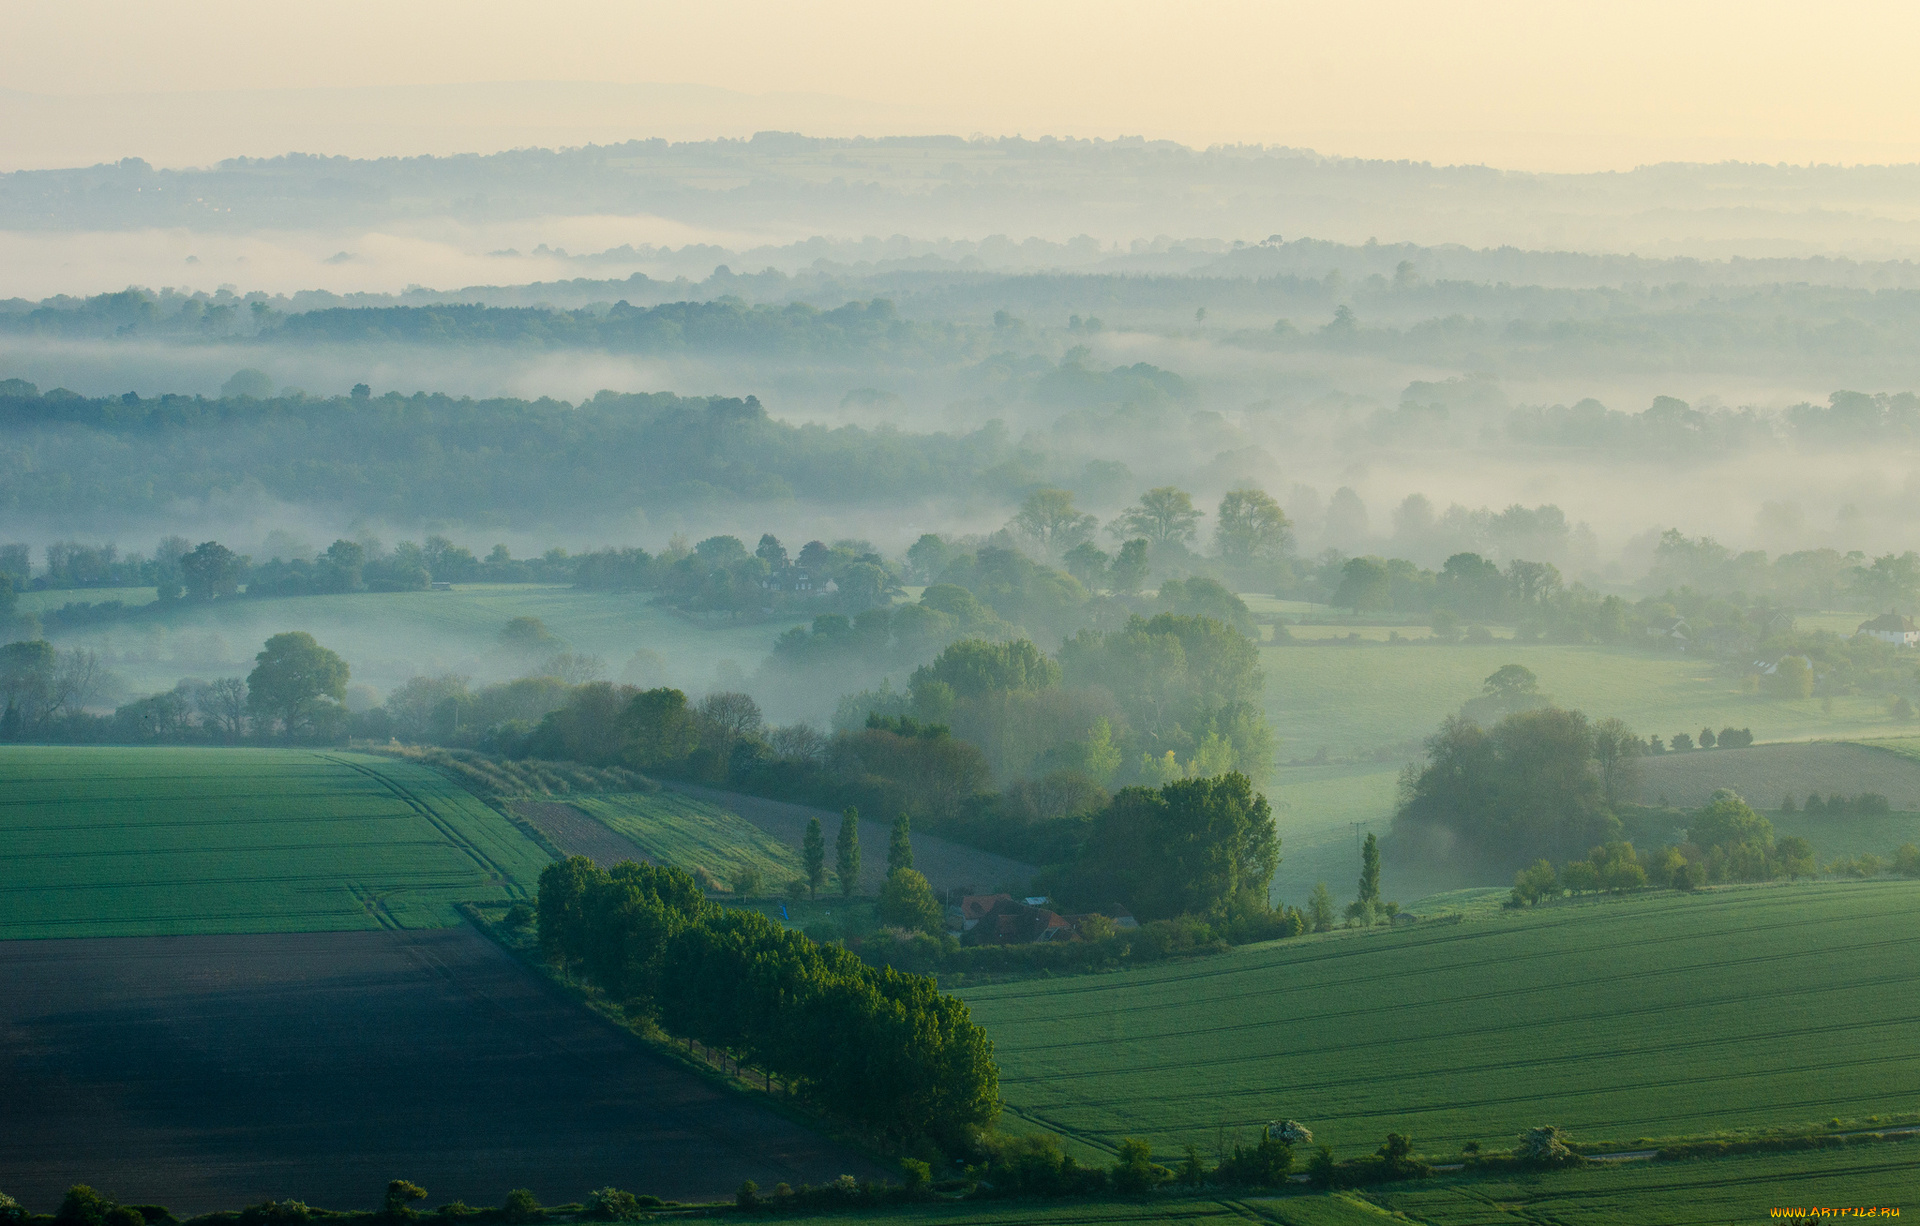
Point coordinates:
pixel 579 835
pixel 211 1072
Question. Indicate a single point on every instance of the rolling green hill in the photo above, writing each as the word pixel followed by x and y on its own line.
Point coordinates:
pixel 163 841
pixel 1651 1015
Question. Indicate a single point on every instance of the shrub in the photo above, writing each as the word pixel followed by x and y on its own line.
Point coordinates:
pixel 1906 860
pixel 907 901
pixel 519 915
pixel 10 1210
pixel 613 1205
pixel 748 1194
pixel 918 1175
pixel 1545 1146
pixel 1264 1165
pixel 520 1206
pixel 275 1213
pixel 1136 1171
pixel 1033 1166
pixel 1530 885
pixel 1165 938
pixel 400 1198
pixel 1193 1171
pixel 82 1206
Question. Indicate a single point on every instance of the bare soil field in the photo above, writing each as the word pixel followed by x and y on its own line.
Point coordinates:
pixel 1765 773
pixel 205 1072
pixel 946 865
pixel 577 834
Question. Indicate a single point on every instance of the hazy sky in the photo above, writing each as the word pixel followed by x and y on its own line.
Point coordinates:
pixel 1531 85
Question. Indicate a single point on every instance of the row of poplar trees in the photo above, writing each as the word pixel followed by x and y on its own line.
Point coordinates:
pixel 878 1046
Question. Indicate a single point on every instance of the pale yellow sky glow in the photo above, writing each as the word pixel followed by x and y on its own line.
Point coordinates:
pixel 1529 85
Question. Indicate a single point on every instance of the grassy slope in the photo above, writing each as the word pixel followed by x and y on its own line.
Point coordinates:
pixel 1616 1019
pixel 127 842
pixel 688 833
pixel 1355 699
pixel 390 636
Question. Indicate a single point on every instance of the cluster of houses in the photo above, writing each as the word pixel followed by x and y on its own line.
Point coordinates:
pixel 1002 919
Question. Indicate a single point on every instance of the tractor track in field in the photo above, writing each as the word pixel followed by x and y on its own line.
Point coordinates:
pixel 448 830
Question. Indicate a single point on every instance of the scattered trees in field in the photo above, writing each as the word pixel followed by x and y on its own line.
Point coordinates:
pixel 881 1047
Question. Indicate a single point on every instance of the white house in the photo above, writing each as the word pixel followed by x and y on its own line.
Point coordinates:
pixel 1891 628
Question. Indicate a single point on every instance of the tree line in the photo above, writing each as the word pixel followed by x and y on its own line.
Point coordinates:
pixel 880 1047
pixel 296 691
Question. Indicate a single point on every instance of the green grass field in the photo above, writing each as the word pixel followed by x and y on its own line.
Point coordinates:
pixel 138 842
pixel 1653 1015
pixel 1355 699
pixel 676 829
pixel 387 637
pixel 1315 809
pixel 1694 1193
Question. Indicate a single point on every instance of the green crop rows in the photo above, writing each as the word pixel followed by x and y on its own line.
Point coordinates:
pixel 1656 1015
pixel 689 834
pixel 129 842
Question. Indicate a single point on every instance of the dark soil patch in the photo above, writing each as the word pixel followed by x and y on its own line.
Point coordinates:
pixel 210 1072
pixel 577 834
pixel 947 865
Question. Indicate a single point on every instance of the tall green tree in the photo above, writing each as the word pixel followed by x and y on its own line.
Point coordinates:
pixel 1129 571
pixel 1370 870
pixel 1050 519
pixel 211 570
pixel 1524 790
pixel 1616 749
pixel 900 845
pixel 847 852
pixel 813 852
pixel 1164 516
pixel 907 901
pixel 297 685
pixel 1320 908
pixel 1364 585
pixel 1251 528
pixel 1192 847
